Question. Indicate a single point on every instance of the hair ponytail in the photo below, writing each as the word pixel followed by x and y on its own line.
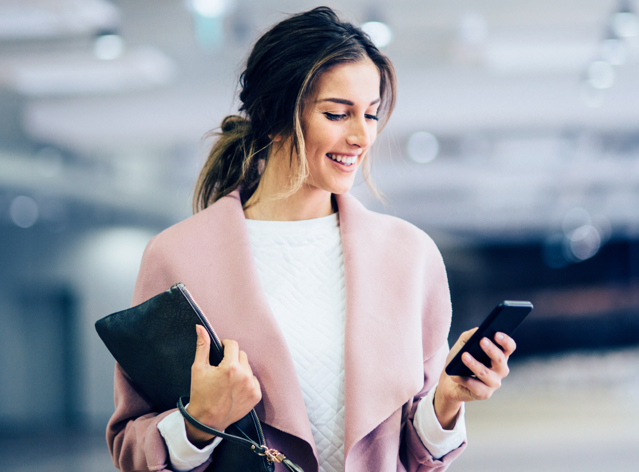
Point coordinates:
pixel 232 162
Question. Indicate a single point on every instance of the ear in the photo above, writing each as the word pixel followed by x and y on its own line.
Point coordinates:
pixel 276 139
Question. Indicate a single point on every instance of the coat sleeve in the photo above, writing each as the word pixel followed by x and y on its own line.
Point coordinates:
pixel 134 440
pixel 418 458
pixel 436 316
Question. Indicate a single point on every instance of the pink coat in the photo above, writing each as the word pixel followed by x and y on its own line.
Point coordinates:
pixel 397 320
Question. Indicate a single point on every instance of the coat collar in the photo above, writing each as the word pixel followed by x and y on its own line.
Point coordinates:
pixel 383 342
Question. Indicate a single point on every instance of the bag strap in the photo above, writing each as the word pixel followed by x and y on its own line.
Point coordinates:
pixel 272 455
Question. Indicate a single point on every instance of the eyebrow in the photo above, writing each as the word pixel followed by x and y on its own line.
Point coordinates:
pixel 345 102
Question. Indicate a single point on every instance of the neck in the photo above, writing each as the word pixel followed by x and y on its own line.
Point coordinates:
pixel 267 204
pixel 302 205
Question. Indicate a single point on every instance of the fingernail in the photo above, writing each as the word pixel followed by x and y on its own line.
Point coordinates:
pixel 484 342
pixel 499 336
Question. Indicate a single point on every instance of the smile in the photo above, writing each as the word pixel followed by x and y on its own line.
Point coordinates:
pixel 344 160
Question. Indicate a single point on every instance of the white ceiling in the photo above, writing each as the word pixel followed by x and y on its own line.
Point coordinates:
pixel 515 88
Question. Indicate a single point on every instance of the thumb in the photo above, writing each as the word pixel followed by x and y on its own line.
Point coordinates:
pixel 463 339
pixel 465 336
pixel 202 347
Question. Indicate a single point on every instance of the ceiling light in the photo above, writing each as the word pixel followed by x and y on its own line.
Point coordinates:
pixel 380 33
pixel 625 22
pixel 422 147
pixel 108 46
pixel 210 8
pixel 79 74
pixel 25 20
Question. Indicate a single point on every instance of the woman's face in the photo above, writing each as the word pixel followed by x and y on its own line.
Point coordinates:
pixel 340 124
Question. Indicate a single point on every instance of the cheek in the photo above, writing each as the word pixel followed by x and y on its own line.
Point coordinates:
pixel 373 132
pixel 322 140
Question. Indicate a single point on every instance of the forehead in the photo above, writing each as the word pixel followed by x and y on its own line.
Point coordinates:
pixel 358 82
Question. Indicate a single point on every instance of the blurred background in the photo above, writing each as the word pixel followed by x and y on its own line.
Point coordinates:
pixel 514 144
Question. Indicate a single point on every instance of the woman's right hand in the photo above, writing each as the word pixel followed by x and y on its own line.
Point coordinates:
pixel 223 394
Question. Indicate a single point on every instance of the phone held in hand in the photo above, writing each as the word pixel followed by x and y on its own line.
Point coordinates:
pixel 505 318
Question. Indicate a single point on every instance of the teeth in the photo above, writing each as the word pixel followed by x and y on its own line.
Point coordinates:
pixel 343 159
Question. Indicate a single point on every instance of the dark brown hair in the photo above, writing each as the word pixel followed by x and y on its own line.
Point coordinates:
pixel 280 74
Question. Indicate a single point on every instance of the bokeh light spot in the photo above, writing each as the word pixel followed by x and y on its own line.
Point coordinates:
pixel 24 211
pixel 422 147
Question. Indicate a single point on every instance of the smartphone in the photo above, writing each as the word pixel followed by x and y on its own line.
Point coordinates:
pixel 505 318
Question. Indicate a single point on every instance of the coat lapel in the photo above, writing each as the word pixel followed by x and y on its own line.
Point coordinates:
pixel 232 298
pixel 383 344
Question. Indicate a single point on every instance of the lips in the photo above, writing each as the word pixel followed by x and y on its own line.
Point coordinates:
pixel 342 159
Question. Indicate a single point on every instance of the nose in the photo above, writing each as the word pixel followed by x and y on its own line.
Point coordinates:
pixel 359 133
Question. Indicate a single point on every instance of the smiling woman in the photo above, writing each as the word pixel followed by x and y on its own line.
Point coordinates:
pixel 281 76
pixel 335 318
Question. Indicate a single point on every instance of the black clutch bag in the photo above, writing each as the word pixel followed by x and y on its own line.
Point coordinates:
pixel 154 343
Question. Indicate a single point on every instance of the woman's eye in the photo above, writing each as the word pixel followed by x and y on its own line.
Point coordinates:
pixel 334 117
pixel 372 117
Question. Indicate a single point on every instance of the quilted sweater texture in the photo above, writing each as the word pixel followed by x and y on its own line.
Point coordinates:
pixel 301 267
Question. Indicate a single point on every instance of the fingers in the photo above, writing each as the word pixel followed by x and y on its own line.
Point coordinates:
pixel 235 361
pixel 507 343
pixel 232 353
pixel 242 357
pixel 487 375
pixel 499 360
pixel 202 347
pixel 486 380
pixel 222 394
pixel 491 376
pixel 235 358
pixel 231 350
pixel 237 364
pixel 256 384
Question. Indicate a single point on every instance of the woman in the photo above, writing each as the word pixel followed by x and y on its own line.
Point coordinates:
pixel 336 318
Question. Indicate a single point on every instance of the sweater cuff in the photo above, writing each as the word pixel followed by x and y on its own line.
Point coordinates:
pixel 183 454
pixel 438 440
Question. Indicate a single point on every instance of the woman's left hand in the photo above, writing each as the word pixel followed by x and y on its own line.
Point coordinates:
pixel 453 391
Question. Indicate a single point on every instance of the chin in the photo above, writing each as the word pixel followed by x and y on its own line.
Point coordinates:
pixel 340 189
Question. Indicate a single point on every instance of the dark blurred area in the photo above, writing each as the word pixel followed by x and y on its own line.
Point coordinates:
pixel 578 307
